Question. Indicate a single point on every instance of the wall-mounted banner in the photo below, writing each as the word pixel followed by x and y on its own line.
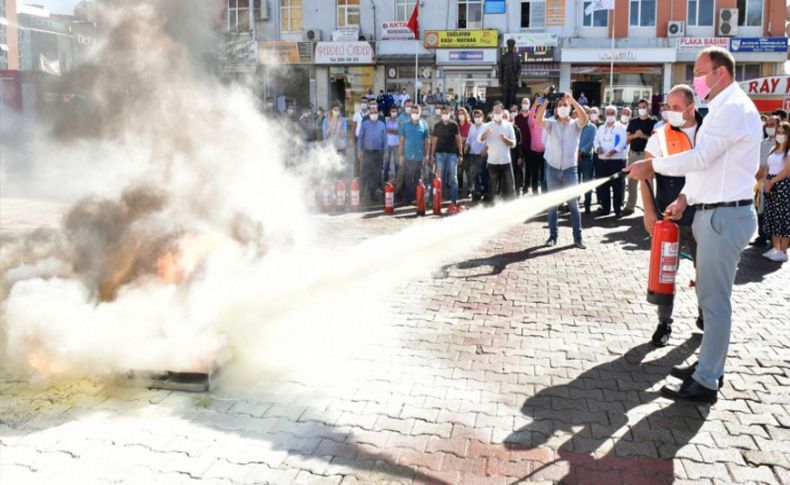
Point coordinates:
pixel 446 39
pixel 758 44
pixel 285 52
pixel 688 44
pixel 555 13
pixel 396 30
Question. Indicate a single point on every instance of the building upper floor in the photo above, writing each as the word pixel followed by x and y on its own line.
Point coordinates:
pixel 638 22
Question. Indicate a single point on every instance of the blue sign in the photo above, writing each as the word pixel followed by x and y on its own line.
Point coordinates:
pixel 466 56
pixel 495 6
pixel 758 44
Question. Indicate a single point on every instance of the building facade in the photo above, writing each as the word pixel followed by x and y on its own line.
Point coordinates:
pixel 320 51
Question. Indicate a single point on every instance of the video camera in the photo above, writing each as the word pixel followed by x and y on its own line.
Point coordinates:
pixel 553 95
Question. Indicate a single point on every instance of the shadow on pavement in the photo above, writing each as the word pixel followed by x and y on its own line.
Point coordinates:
pixel 753 267
pixel 594 408
pixel 498 262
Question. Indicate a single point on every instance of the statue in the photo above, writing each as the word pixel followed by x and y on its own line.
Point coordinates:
pixel 509 74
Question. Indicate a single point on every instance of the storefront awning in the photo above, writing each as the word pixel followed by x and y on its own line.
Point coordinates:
pixel 402 52
pixel 404 58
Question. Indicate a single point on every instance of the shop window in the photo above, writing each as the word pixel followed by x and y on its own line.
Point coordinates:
pixel 470 14
pixel 750 13
pixel 689 74
pixel 347 13
pixel 599 18
pixel 745 72
pixel 533 14
pixel 238 15
pixel 643 13
pixel 291 15
pixel 700 13
pixel 403 9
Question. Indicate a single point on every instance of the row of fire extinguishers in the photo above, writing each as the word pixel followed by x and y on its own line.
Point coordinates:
pixel 422 196
pixel 339 195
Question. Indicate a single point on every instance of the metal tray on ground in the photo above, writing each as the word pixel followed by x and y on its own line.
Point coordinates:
pixel 171 380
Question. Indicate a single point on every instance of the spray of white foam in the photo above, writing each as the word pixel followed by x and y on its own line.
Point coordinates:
pixel 181 169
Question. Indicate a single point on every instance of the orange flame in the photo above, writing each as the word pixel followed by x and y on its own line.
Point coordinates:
pixel 175 266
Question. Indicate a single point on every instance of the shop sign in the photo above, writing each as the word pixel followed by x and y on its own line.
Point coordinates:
pixel 495 6
pixel 759 44
pixel 466 56
pixel 536 54
pixel 345 34
pixel 285 52
pixel 649 55
pixel 531 40
pixel 555 13
pixel 396 30
pixel 444 39
pixel 687 44
pixel 767 86
pixel 545 69
pixel 344 53
pixel 618 56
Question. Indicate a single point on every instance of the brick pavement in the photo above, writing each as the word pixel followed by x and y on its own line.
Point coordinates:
pixel 512 363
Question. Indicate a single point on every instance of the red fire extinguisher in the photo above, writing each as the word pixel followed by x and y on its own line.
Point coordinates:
pixel 420 198
pixel 327 205
pixel 664 255
pixel 437 195
pixel 340 201
pixel 389 197
pixel 355 194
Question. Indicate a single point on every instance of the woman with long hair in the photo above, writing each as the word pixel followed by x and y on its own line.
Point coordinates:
pixel 464 123
pixel 334 129
pixel 777 195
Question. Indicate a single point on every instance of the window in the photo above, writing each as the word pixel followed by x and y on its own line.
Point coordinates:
pixel 291 15
pixel 347 13
pixel 239 15
pixel 599 18
pixel 745 72
pixel 689 73
pixel 470 14
pixel 533 14
pixel 643 13
pixel 700 13
pixel 404 9
pixel 750 13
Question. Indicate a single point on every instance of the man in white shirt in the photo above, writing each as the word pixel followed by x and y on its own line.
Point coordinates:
pixel 720 172
pixel 499 137
pixel 610 143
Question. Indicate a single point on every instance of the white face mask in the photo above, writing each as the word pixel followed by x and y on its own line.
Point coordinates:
pixel 478 120
pixel 525 107
pixel 462 118
pixel 624 119
pixel 593 117
pixel 445 117
pixel 497 116
pixel 675 118
pixel 415 116
pixel 564 111
pixel 290 111
pixel 780 139
pixel 269 104
pixel 610 119
pixel 770 131
pixel 393 114
pixel 665 115
pixel 407 109
pixel 335 112
pixel 642 112
pixel 374 116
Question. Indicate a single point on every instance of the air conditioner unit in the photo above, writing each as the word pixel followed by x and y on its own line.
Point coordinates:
pixel 262 8
pixel 728 22
pixel 676 28
pixel 313 35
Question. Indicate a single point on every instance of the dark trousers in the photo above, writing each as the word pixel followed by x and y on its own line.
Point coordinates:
pixel 534 166
pixel 371 172
pixel 586 174
pixel 761 235
pixel 612 189
pixel 509 94
pixel 412 171
pixel 500 180
pixel 478 174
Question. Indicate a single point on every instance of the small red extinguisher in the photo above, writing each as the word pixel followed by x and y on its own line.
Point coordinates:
pixel 327 205
pixel 420 198
pixel 664 256
pixel 340 201
pixel 355 194
pixel 389 197
pixel 437 195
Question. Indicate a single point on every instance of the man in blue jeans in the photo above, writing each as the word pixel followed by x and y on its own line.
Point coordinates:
pixel 562 150
pixel 719 173
pixel 447 151
pixel 413 151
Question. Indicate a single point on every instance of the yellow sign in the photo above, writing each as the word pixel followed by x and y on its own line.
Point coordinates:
pixel 285 52
pixel 555 13
pixel 444 39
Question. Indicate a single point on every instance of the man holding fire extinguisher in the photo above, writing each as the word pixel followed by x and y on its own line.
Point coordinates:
pixel 719 173
pixel 677 135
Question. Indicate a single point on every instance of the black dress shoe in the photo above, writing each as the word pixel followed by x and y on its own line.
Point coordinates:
pixel 690 390
pixel 602 212
pixel 685 373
